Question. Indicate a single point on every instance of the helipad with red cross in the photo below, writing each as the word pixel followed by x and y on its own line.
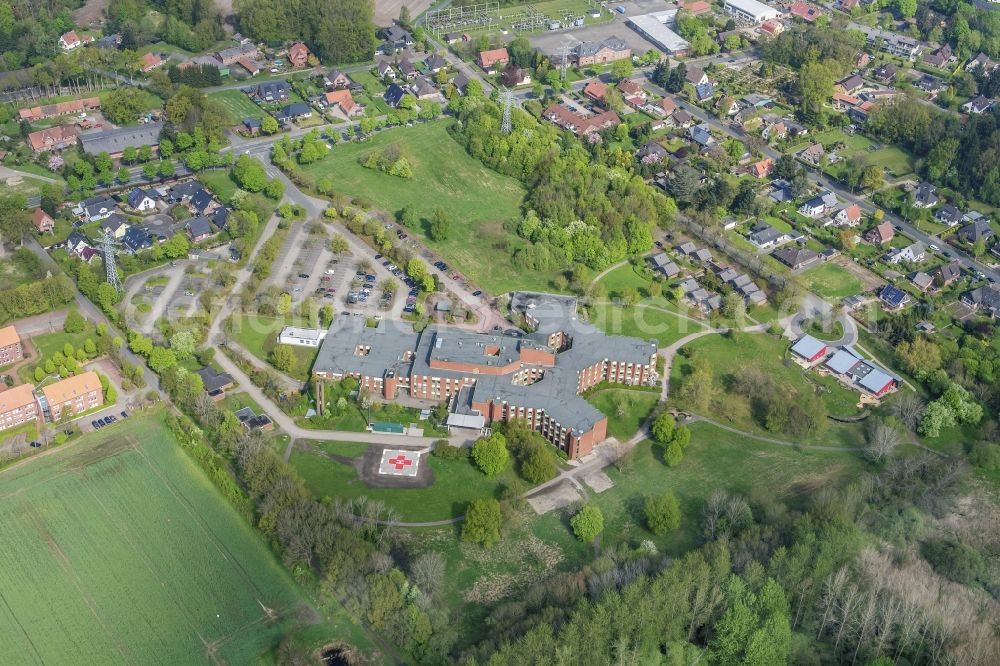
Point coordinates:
pixel 396 462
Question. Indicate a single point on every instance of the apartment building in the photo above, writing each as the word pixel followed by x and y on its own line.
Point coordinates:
pixel 74 394
pixel 17 406
pixel 10 346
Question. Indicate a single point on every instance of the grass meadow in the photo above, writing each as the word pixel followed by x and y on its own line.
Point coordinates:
pixel 237 105
pixel 831 281
pixel 477 199
pixel 118 550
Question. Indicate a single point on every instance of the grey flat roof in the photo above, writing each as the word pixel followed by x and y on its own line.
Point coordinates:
pixel 756 9
pixel 654 28
pixel 117 140
pixel 808 346
pixel 389 343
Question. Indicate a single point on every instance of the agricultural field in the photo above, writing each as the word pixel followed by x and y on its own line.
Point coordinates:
pixel 119 549
pixel 477 199
pixel 237 105
pixel 831 281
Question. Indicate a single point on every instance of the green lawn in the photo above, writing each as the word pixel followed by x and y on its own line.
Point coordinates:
pixel 619 279
pixel 29 187
pixel 47 344
pixel 477 200
pixel 456 483
pixel 120 550
pixel 768 352
pixel 653 320
pixel 237 105
pixel 831 281
pixel 259 336
pixel 626 410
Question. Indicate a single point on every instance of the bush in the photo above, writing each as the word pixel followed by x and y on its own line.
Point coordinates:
pixel 442 449
pixel 986 455
pixel 954 560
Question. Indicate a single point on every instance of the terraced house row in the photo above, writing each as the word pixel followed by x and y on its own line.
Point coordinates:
pixel 485 377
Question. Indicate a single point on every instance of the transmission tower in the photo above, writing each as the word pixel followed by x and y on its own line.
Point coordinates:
pixel 110 245
pixel 507 99
pixel 564 51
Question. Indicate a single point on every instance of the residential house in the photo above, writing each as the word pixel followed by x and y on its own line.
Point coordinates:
pixel 687 248
pixel 764 236
pixel 98 208
pixel 70 40
pixel 981 61
pixel 493 59
pixel 136 239
pixel 18 406
pixel 850 84
pixel 198 229
pixel 774 131
pixel 849 216
pixel 977 229
pixel 696 76
pixel 252 126
pixel 682 118
pixel 394 94
pixel 912 253
pixel 948 273
pixel 271 91
pixel 51 139
pixel 253 421
pixel 804 11
pixel 298 55
pixel 407 69
pixel 435 63
pixel 862 59
pixel 796 257
pixel 886 73
pixel 890 42
pixel 10 346
pixel 978 105
pixel 43 222
pixel 925 196
pixel 293 112
pixel 948 214
pixel 595 90
pixel 939 58
pixel 115 225
pixel 460 82
pixel 142 200
pixel 812 154
pixel 396 37
pixel 342 101
pixel 772 27
pixel 929 84
pixel 150 61
pixel 115 141
pixel 696 7
pixel 422 88
pixel 781 191
pixel 252 68
pixel 601 52
pixel 232 55
pixel 704 91
pixel 702 255
pixel 578 124
pixel 823 202
pixel 72 107
pixel 809 349
pixel 385 70
pixel 893 298
pixel 663 264
pixel 201 202
pixel 762 169
pixel 220 217
pixel 880 234
pixel 921 280
pixel 985 299
pixel 73 395
pixel 215 382
pixel 651 151
pixel 702 135
pixel 335 80
pixel 631 90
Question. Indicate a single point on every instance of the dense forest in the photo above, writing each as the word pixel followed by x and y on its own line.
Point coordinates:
pixel 963 156
pixel 585 202
pixel 191 24
pixel 966 27
pixel 338 31
pixel 29 31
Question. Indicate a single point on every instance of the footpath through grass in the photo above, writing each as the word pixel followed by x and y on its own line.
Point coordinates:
pixel 477 199
pixel 118 549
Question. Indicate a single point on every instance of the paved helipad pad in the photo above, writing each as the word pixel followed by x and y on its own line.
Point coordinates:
pixel 396 462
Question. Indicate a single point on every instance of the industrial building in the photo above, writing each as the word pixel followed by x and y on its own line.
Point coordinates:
pixel 750 12
pixel 655 27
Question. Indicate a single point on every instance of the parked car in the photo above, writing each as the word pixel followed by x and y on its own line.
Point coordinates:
pixel 477 293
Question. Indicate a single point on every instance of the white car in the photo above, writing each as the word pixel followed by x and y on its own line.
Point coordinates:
pixel 934 247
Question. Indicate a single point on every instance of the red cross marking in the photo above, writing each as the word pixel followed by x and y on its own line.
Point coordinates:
pixel 399 462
